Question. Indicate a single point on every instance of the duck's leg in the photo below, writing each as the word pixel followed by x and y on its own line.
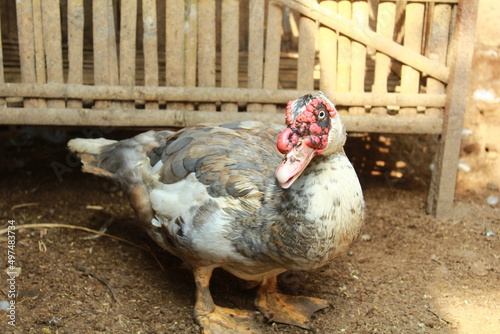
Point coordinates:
pixel 214 319
pixel 292 310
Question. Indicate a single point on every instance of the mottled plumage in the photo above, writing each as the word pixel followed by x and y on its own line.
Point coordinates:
pixel 209 193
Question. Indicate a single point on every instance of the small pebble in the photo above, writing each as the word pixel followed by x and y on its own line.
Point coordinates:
pixel 464 166
pixel 466 132
pixel 13 272
pixel 492 53
pixel 492 186
pixel 366 237
pixel 492 200
pixel 485 95
pixel 489 233
pixel 4 304
pixel 435 258
pixel 479 269
pixel 55 321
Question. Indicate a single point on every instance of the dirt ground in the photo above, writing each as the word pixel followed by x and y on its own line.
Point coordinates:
pixel 409 273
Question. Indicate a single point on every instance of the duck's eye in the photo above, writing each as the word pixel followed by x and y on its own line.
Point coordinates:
pixel 321 114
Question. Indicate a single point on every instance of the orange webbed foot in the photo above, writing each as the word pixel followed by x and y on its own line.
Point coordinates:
pixel 214 319
pixel 228 321
pixel 292 310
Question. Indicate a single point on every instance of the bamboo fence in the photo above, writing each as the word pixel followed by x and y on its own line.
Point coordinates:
pixel 390 66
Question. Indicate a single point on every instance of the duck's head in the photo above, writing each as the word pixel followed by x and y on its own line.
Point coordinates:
pixel 313 127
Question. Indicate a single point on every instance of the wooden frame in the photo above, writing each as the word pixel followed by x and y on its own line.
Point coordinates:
pixel 389 65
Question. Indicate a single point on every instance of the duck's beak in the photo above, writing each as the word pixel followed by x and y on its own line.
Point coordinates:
pixel 294 164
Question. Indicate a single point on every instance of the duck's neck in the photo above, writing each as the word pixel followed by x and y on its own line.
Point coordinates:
pixel 326 204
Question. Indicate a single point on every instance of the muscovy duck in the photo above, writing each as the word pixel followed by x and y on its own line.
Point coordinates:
pixel 230 196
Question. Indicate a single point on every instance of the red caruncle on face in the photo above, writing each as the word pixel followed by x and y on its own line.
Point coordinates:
pixel 312 125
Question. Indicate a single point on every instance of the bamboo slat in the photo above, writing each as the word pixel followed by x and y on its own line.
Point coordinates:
pixel 75 46
pixel 150 44
pixel 174 43
pixel 2 78
pixel 307 53
pixel 360 13
pixel 442 189
pixel 344 51
pixel 51 18
pixel 209 94
pixel 41 75
pixel 368 37
pixel 191 42
pixel 24 10
pixel 386 19
pixel 272 51
pixel 206 48
pixel 290 30
pixel 114 71
pixel 174 68
pixel 328 53
pixel 111 42
pixel 191 46
pixel 399 30
pixel 182 118
pixel 229 48
pixel 256 49
pixel 414 27
pixel 453 38
pixel 128 33
pixel 105 56
pixel 438 47
pixel 8 23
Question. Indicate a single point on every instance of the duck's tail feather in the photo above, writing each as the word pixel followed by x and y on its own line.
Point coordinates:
pixel 88 150
pixel 120 161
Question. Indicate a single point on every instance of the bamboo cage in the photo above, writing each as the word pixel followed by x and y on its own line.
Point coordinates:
pixel 392 66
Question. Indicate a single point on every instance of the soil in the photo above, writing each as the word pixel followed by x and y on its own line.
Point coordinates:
pixel 408 273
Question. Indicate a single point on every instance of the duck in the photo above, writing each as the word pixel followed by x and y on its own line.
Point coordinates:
pixel 253 198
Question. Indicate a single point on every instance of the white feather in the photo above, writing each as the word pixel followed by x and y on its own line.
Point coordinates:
pixel 156 168
pixel 89 146
pixel 172 200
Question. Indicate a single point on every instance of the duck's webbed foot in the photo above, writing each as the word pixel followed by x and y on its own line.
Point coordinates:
pixel 292 310
pixel 219 320
pixel 223 320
